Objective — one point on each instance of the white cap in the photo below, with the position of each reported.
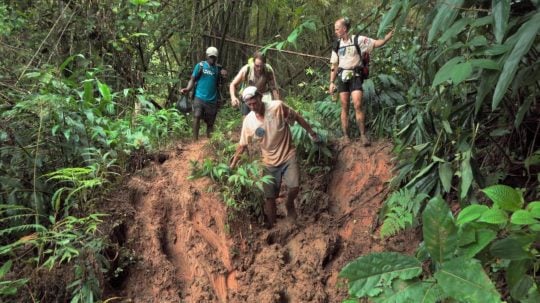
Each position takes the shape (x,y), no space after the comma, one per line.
(211,51)
(249,92)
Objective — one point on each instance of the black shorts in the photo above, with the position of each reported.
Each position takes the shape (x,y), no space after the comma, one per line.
(353,84)
(205,110)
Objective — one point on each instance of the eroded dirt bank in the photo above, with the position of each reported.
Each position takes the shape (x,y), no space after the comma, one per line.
(185,250)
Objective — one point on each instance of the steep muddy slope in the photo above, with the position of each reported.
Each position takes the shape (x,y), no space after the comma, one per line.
(185,249)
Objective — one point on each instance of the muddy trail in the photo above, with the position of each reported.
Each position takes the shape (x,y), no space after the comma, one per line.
(183,248)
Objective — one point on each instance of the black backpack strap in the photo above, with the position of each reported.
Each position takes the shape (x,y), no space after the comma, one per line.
(335,45)
(201,66)
(355,39)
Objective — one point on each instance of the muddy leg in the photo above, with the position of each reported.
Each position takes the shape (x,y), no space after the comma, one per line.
(196,125)
(270,212)
(289,204)
(209,130)
(344,98)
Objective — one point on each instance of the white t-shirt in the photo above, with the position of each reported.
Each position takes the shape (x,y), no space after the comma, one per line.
(272,131)
(347,56)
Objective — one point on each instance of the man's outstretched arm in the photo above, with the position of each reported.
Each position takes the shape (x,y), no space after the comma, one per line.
(239,151)
(381,42)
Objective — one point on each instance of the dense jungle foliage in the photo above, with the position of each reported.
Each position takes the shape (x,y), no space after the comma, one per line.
(87,90)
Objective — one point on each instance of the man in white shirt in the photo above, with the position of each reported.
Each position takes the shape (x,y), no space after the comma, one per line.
(346,64)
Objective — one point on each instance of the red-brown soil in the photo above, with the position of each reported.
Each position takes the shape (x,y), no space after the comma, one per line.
(185,249)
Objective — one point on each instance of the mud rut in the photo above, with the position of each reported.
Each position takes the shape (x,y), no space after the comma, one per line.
(186,251)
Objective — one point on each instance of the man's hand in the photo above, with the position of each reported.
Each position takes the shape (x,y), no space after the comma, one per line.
(232,163)
(389,35)
(239,151)
(224,73)
(235,102)
(332,88)
(184,91)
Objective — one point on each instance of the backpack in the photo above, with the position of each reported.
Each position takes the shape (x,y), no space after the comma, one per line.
(201,66)
(364,57)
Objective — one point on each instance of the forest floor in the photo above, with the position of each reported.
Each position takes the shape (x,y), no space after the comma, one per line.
(185,249)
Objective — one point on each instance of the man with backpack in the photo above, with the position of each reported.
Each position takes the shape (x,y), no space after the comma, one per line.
(349,66)
(205,80)
(256,73)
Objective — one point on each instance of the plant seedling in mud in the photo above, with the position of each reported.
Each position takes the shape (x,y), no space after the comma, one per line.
(241,188)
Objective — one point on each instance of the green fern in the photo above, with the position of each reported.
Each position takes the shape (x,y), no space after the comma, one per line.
(400,211)
(23,228)
(80,182)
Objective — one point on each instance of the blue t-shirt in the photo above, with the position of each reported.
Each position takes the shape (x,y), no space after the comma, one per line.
(206,88)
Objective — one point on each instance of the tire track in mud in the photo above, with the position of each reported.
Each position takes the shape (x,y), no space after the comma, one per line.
(188,252)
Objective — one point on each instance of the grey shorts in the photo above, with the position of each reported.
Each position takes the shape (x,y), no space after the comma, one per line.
(205,110)
(287,172)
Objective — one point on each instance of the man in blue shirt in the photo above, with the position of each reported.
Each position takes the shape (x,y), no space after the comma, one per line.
(205,79)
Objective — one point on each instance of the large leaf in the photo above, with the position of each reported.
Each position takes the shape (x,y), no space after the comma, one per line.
(505,197)
(526,37)
(497,49)
(454,70)
(494,216)
(440,232)
(523,217)
(366,273)
(406,291)
(501,12)
(524,288)
(421,174)
(483,239)
(455,29)
(534,208)
(389,17)
(465,280)
(471,213)
(445,175)
(509,248)
(104,90)
(447,12)
(515,271)
(485,64)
